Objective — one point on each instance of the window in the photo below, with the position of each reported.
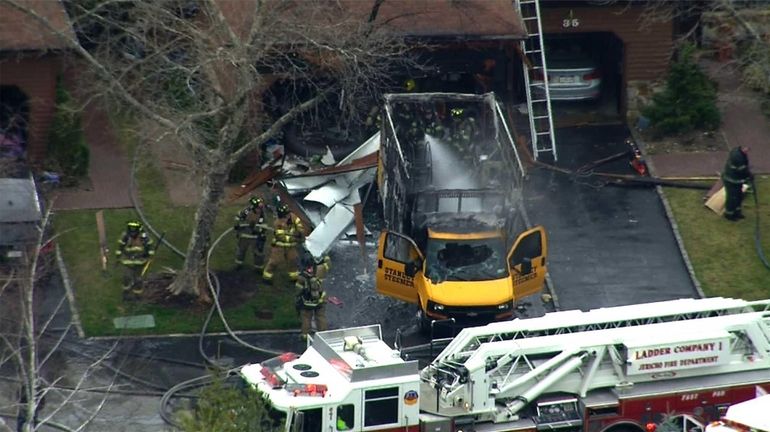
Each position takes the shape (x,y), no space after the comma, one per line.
(466,260)
(309,419)
(345,417)
(397,248)
(530,246)
(381,406)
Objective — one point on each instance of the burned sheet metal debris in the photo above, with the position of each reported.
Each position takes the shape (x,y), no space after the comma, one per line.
(330,194)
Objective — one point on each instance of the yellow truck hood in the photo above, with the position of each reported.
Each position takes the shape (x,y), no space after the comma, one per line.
(471,293)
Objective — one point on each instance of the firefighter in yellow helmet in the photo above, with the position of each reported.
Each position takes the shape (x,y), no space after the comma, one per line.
(288,235)
(250,230)
(133,251)
(311,298)
(410,85)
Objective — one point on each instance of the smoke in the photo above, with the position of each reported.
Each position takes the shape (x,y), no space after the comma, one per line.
(449,171)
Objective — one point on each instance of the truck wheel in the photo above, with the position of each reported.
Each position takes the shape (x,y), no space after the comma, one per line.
(422,319)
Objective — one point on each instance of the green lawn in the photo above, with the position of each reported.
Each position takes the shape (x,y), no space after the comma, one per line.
(99,295)
(722,252)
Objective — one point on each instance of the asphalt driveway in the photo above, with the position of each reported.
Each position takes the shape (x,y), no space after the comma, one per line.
(608,245)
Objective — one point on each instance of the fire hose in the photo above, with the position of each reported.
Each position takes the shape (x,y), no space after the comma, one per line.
(757,229)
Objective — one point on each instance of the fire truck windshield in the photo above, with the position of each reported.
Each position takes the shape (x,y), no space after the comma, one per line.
(465,260)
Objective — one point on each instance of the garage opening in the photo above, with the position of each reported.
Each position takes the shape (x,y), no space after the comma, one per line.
(585,76)
(14,120)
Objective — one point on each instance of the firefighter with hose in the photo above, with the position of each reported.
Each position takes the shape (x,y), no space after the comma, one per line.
(735,174)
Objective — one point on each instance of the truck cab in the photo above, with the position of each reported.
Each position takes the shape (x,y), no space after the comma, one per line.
(468,277)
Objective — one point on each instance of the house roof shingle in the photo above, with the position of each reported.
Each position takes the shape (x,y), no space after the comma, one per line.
(20,32)
(470,19)
(483,19)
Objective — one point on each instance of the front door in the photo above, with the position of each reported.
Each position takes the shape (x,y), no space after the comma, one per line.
(395,253)
(526,262)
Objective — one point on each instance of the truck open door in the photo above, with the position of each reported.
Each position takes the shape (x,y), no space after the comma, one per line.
(398,259)
(526,262)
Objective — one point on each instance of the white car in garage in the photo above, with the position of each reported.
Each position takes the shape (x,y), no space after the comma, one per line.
(573,73)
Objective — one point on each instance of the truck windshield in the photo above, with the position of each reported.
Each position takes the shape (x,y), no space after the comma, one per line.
(465,260)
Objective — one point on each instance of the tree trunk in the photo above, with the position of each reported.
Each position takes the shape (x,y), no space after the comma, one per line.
(191,279)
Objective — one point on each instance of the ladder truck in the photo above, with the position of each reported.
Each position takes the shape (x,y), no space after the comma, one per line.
(604,370)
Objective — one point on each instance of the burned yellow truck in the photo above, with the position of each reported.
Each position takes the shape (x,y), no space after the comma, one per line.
(456,241)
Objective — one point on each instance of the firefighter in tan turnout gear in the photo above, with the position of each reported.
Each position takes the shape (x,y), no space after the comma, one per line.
(133,251)
(251,232)
(311,298)
(288,235)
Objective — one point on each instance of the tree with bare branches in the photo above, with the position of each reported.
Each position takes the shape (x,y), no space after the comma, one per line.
(29,346)
(201,71)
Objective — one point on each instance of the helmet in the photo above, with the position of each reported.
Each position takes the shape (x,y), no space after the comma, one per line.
(133,226)
(410,85)
(282,210)
(256,202)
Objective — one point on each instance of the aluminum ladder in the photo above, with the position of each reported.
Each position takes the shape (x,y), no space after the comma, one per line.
(538,95)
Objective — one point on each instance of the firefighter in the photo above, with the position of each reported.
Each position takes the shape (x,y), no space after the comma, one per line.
(432,125)
(249,226)
(736,173)
(463,130)
(311,298)
(133,251)
(288,235)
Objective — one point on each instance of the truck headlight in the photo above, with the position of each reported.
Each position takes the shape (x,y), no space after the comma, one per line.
(504,306)
(435,306)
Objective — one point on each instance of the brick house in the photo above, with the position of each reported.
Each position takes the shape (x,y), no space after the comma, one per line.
(30,61)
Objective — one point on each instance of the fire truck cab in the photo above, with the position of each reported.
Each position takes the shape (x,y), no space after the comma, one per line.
(346,380)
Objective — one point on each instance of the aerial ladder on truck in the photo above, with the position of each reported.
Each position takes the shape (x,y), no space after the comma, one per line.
(574,321)
(509,380)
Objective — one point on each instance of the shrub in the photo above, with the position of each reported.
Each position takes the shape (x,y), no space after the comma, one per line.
(756,69)
(688,101)
(67,149)
(224,408)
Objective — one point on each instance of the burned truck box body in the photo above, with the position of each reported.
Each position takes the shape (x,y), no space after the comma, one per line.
(450,180)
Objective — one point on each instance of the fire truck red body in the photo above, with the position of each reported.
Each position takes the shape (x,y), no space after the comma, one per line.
(674,365)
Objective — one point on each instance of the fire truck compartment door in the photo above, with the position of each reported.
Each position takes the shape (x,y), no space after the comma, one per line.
(526,262)
(398,259)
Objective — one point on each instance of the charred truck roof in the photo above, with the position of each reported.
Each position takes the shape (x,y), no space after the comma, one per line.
(448,162)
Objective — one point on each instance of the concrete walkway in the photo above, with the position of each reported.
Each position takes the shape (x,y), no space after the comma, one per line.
(743,124)
(109,167)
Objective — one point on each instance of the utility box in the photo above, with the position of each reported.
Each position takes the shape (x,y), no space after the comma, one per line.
(20,220)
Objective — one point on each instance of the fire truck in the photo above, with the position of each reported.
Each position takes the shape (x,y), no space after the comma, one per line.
(620,369)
